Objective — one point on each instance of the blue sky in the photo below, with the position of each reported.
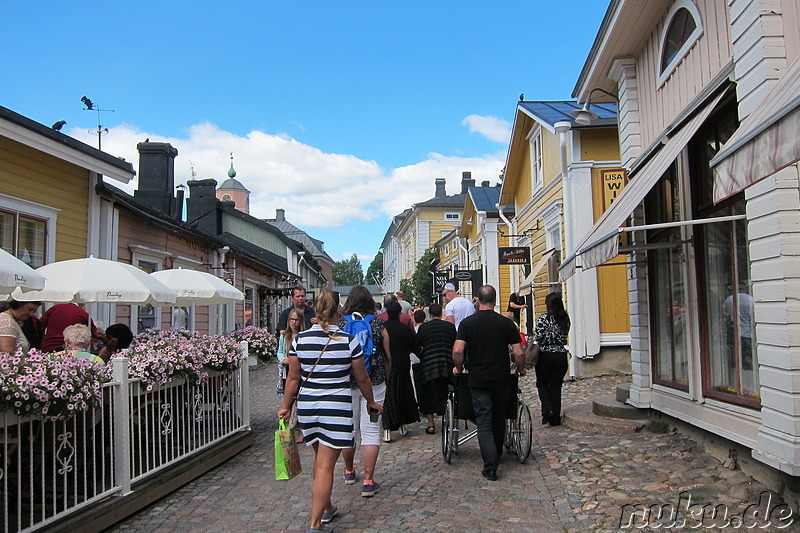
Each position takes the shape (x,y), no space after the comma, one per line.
(342,113)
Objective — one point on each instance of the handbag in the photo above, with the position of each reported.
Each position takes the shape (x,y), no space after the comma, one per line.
(531,356)
(287,455)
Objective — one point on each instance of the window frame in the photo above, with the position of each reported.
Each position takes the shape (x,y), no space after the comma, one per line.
(669,68)
(534,138)
(156,258)
(32,210)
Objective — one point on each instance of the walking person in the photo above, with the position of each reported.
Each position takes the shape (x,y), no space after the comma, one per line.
(360,304)
(488,335)
(458,308)
(551,333)
(436,338)
(295,323)
(416,365)
(299,303)
(320,361)
(400,407)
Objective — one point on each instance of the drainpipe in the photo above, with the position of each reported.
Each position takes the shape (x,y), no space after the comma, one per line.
(573,287)
(517,271)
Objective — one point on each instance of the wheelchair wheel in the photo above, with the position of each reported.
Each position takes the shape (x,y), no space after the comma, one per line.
(523,430)
(449,430)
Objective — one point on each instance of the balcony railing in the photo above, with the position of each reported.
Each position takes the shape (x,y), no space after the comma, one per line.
(53,469)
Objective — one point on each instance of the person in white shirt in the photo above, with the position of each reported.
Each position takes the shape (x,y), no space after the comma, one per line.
(458,308)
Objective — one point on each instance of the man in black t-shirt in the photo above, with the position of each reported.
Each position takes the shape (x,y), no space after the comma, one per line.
(515,304)
(489,335)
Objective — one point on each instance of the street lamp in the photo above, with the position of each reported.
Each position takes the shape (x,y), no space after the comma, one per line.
(584,116)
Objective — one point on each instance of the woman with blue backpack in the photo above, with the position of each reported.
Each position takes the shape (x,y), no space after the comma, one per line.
(358,320)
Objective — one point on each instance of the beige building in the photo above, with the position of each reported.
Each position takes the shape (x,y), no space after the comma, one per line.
(712,214)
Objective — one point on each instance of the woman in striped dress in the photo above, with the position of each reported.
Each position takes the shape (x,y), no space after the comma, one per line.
(320,361)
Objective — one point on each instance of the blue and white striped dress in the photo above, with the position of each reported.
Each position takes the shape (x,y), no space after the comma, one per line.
(324,405)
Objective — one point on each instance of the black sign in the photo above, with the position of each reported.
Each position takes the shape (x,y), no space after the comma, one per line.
(515,255)
(440,278)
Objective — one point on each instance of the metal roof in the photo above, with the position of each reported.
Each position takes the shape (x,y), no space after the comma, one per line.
(232,184)
(485,198)
(556,111)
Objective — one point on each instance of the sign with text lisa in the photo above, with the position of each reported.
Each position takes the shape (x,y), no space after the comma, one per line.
(515,255)
(613,181)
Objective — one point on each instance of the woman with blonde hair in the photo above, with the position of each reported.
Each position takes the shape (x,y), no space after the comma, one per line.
(320,362)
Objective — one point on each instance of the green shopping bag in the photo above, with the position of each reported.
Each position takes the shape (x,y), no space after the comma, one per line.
(287,456)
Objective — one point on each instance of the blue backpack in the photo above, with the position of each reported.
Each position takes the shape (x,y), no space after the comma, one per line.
(360,328)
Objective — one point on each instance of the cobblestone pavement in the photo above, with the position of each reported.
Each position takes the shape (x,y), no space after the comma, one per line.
(575,482)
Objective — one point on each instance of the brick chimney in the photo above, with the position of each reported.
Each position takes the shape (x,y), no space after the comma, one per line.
(201,207)
(466,182)
(157,176)
(440,190)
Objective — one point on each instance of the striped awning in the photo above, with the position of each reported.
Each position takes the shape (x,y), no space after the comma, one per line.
(601,243)
(766,141)
(527,284)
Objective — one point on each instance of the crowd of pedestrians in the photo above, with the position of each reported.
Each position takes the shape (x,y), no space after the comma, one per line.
(363,371)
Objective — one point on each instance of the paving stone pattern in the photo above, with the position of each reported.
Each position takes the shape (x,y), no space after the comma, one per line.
(574,482)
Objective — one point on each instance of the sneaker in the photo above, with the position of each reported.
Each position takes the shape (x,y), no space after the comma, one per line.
(349,477)
(387,435)
(403,429)
(368,490)
(327,517)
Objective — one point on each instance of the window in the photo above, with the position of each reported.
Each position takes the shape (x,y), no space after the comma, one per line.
(249,305)
(27,230)
(535,140)
(227,198)
(147,316)
(452,216)
(551,216)
(683,28)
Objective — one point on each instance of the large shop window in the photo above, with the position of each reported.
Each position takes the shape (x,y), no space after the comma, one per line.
(667,287)
(24,237)
(728,348)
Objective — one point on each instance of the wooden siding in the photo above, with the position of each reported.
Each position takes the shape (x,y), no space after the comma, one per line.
(791,29)
(599,144)
(551,156)
(712,51)
(31,175)
(254,234)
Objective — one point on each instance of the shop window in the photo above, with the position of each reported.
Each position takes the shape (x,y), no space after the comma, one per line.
(249,305)
(683,29)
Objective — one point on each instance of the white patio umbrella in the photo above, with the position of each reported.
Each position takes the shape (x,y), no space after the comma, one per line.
(91,280)
(199,288)
(14,273)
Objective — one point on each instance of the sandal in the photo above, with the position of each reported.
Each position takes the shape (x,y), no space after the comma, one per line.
(430,430)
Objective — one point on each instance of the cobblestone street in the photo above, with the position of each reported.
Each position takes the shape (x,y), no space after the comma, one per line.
(573,482)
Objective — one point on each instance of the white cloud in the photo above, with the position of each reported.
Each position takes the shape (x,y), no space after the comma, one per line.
(316,189)
(493,128)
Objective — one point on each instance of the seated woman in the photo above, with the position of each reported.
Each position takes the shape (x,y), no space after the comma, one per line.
(77,339)
(12,338)
(119,337)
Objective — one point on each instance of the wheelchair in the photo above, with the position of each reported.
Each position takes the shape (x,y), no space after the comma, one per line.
(458,409)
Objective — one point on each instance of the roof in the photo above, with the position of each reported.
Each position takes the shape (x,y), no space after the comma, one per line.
(374,290)
(256,253)
(53,142)
(315,246)
(486,199)
(456,200)
(232,184)
(396,221)
(548,113)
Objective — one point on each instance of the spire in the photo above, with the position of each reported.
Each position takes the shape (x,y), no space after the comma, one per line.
(231,172)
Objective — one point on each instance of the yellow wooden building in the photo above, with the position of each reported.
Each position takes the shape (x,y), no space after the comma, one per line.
(48,207)
(560,177)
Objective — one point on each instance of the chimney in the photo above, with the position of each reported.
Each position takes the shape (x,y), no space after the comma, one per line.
(440,191)
(280,215)
(466,182)
(201,207)
(157,176)
(485,183)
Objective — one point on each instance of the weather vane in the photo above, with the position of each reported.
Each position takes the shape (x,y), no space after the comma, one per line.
(100,130)
(191,168)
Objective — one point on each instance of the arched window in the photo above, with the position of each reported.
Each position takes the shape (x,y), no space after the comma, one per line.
(682,29)
(226,198)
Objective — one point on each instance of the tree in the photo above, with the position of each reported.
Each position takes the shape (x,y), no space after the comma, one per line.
(422,279)
(408,289)
(348,271)
(375,270)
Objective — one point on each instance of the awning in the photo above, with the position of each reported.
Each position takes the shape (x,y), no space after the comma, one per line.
(527,283)
(766,141)
(601,243)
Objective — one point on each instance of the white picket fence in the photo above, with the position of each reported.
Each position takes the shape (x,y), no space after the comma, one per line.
(53,469)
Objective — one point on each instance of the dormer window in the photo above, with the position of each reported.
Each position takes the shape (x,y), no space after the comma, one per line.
(683,29)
